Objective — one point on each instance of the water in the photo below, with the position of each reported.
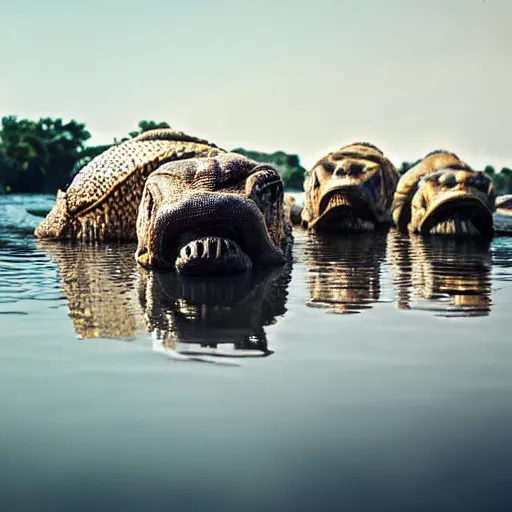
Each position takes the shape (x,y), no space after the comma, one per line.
(375,374)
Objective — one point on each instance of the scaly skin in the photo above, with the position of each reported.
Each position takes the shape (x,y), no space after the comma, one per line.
(101,204)
(443,195)
(349,189)
(217,215)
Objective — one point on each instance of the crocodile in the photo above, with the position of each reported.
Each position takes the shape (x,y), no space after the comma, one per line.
(101,203)
(441,194)
(216,215)
(350,189)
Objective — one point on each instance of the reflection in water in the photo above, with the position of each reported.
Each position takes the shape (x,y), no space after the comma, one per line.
(452,274)
(213,313)
(110,297)
(98,284)
(344,271)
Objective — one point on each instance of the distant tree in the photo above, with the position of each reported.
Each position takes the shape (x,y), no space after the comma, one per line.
(286,164)
(490,171)
(38,156)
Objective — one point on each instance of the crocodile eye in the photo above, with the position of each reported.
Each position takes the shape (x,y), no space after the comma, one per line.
(447,179)
(356,169)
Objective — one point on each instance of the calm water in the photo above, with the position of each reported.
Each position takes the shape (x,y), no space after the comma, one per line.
(375,374)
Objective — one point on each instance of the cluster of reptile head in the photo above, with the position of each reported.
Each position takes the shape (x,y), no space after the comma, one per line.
(442,195)
(190,205)
(358,189)
(195,208)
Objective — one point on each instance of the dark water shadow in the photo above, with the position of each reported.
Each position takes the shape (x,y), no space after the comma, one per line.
(109,296)
(344,270)
(448,276)
(224,317)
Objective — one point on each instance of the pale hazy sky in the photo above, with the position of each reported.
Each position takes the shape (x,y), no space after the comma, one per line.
(305,76)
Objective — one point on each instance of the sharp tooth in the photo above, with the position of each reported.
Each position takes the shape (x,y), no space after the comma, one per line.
(219,249)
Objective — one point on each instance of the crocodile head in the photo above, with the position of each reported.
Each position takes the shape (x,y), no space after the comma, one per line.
(213,216)
(445,196)
(349,189)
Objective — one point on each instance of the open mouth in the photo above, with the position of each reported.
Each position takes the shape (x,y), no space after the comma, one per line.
(213,234)
(213,250)
(346,208)
(458,215)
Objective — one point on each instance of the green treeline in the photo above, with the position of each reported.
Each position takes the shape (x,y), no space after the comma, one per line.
(287,165)
(43,156)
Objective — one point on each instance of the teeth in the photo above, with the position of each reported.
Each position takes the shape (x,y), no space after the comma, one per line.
(337,200)
(454,227)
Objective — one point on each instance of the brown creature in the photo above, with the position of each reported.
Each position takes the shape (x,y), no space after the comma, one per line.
(349,189)
(442,195)
(102,202)
(217,215)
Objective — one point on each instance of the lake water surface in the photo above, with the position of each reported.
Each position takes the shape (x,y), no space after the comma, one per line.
(374,374)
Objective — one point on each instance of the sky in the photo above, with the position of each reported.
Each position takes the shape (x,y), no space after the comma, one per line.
(305,77)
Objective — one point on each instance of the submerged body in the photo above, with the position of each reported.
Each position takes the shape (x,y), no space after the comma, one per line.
(217,215)
(442,195)
(349,189)
(101,203)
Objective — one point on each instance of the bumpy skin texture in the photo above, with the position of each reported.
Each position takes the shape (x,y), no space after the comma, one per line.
(101,204)
(443,195)
(349,189)
(218,215)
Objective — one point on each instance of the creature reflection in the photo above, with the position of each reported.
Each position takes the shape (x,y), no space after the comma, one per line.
(109,296)
(344,271)
(449,276)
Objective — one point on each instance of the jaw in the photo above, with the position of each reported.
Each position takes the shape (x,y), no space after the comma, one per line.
(344,208)
(458,214)
(210,234)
